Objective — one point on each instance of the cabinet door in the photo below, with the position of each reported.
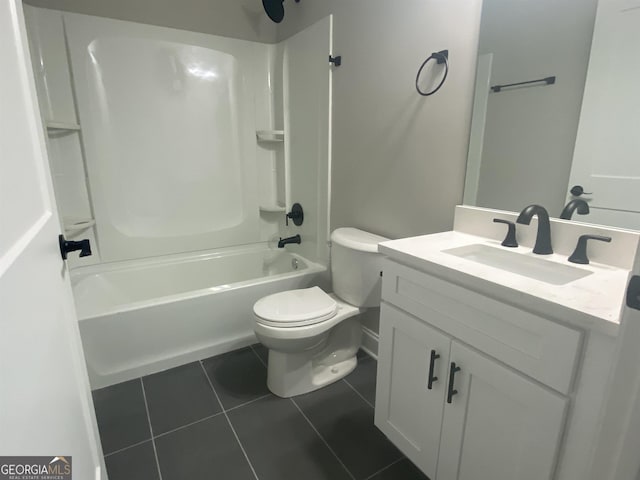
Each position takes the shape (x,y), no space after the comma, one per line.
(500,425)
(407,411)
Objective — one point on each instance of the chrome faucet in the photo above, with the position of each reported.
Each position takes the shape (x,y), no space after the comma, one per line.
(574,205)
(543,237)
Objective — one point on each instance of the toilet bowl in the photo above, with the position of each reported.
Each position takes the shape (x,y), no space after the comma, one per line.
(312,336)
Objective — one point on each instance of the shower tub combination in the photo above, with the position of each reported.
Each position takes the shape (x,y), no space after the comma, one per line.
(181,172)
(144,316)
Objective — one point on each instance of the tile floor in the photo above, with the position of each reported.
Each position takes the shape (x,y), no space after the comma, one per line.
(215,419)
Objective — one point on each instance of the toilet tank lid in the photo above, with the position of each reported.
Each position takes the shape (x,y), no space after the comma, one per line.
(357,239)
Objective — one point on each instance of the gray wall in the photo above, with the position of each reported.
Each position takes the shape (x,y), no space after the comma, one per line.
(243,19)
(531,132)
(398,159)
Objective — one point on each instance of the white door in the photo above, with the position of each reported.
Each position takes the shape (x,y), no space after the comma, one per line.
(409,405)
(45,400)
(499,425)
(605,162)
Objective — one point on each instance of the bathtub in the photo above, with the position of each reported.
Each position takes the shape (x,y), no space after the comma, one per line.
(143,316)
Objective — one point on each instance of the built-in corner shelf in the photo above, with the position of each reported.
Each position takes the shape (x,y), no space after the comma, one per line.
(270,136)
(272,208)
(76,224)
(61,128)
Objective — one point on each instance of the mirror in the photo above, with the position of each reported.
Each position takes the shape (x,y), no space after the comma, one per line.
(531,142)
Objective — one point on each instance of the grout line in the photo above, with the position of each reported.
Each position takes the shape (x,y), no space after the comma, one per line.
(224,412)
(126,448)
(359,394)
(153,442)
(385,468)
(188,425)
(160,435)
(322,438)
(259,357)
(247,403)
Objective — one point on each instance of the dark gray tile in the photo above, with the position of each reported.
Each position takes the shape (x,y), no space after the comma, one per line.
(122,416)
(238,377)
(281,444)
(179,396)
(137,463)
(204,450)
(362,355)
(345,421)
(403,470)
(262,352)
(363,378)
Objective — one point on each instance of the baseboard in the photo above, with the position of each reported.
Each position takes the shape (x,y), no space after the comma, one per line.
(370,342)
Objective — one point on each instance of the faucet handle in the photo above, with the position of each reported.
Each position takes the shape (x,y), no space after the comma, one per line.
(296,214)
(510,239)
(579,255)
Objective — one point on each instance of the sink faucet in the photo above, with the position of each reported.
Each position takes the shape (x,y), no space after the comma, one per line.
(543,238)
(578,205)
(285,241)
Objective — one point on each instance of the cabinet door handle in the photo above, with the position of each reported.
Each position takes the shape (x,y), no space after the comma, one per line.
(432,364)
(452,375)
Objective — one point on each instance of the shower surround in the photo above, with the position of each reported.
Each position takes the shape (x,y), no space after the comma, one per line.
(185,150)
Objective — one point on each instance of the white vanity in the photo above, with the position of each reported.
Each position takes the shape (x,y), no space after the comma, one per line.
(493,362)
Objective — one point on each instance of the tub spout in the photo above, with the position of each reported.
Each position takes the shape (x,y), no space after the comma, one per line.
(286,241)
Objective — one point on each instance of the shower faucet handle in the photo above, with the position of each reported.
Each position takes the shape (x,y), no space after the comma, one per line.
(296,214)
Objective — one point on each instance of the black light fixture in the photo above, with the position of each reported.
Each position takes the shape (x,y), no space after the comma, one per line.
(275,9)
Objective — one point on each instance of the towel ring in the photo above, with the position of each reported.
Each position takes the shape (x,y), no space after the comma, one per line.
(440,58)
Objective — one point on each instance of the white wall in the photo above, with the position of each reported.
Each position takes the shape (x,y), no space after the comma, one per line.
(530,132)
(184,189)
(243,19)
(398,159)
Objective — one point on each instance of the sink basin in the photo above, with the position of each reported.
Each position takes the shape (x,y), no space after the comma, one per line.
(525,265)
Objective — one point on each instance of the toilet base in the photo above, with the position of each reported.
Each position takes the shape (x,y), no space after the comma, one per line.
(291,374)
(302,381)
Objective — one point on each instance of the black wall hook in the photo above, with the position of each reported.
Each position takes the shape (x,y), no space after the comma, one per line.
(336,61)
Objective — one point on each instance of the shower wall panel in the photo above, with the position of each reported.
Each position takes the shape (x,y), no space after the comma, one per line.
(307,112)
(168,120)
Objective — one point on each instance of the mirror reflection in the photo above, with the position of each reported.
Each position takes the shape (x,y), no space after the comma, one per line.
(571,137)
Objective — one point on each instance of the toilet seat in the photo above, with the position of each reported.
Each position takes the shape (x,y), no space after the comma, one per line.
(295,308)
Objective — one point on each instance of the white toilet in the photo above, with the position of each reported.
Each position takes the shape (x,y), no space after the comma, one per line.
(313,337)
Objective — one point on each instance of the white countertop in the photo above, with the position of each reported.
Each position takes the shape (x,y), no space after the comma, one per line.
(592,302)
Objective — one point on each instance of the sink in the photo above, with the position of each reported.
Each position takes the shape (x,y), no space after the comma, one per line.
(528,266)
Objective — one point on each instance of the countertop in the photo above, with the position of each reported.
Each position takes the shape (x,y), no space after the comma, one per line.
(593,302)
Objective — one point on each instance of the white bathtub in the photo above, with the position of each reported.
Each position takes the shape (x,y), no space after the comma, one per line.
(144,316)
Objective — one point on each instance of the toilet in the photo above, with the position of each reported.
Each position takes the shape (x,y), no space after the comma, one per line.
(312,336)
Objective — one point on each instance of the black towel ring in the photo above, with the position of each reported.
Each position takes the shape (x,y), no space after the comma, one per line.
(440,58)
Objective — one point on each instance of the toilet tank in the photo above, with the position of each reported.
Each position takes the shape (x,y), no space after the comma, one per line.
(356,266)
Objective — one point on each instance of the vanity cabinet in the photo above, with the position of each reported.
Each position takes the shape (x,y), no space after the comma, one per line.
(469,387)
(411,354)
